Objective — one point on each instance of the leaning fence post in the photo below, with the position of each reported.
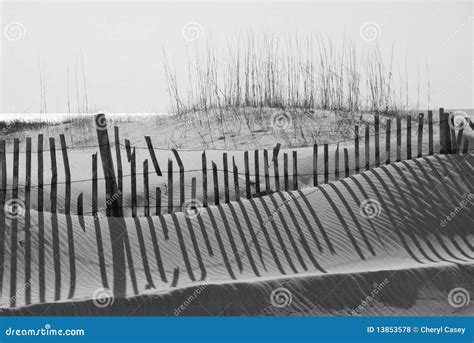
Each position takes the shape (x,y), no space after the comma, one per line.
(153,156)
(181,177)
(107,165)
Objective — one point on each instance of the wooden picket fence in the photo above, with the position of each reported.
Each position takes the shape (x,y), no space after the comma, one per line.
(450,142)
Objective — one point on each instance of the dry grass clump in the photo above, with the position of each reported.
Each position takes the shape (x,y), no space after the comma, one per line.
(283,71)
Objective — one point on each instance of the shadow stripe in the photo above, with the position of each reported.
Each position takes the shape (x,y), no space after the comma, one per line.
(316,219)
(143,252)
(253,234)
(395,224)
(354,218)
(303,240)
(288,233)
(196,248)
(182,246)
(343,223)
(156,248)
(221,245)
(231,238)
(267,236)
(205,236)
(306,221)
(243,239)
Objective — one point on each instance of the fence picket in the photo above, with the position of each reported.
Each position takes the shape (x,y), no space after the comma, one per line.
(215,180)
(247,175)
(54,176)
(420,134)
(387,141)
(67,172)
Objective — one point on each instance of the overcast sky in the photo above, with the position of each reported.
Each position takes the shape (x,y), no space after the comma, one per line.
(121,44)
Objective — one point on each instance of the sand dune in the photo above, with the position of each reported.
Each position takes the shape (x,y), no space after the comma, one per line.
(308,240)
